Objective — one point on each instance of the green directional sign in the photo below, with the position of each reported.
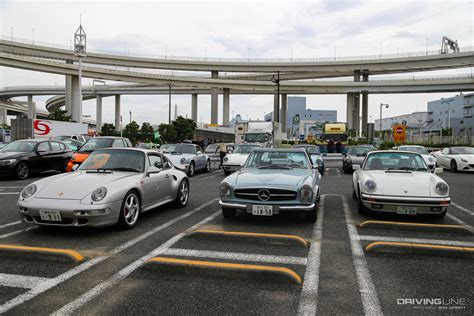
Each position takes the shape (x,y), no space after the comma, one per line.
(296,119)
(156,135)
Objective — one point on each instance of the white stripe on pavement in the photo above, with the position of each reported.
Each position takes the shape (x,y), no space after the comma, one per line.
(43,287)
(418,241)
(21,281)
(309,294)
(9,193)
(235,256)
(16,232)
(460,222)
(468,211)
(368,293)
(9,224)
(125,272)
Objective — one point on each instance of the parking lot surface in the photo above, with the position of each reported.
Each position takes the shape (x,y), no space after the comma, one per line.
(194,261)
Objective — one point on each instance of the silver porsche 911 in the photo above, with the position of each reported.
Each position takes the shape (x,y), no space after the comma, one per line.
(112,186)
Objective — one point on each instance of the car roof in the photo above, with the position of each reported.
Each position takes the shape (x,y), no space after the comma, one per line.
(280,150)
(35,140)
(144,150)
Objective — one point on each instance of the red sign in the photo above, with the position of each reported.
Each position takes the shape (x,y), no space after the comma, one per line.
(399,133)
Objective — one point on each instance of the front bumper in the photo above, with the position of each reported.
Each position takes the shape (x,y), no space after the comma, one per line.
(72,212)
(276,208)
(231,168)
(390,204)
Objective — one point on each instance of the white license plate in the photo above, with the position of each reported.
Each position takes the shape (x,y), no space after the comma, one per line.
(52,216)
(406,210)
(262,210)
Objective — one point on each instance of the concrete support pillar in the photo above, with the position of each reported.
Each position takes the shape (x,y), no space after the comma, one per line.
(214,100)
(284,111)
(31,108)
(226,107)
(194,106)
(276,108)
(350,110)
(3,116)
(68,92)
(117,112)
(76,104)
(365,105)
(356,111)
(98,114)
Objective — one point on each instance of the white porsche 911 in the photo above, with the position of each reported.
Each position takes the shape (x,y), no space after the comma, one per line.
(235,160)
(456,158)
(399,182)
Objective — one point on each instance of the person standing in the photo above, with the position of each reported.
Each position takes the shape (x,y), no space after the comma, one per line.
(222,152)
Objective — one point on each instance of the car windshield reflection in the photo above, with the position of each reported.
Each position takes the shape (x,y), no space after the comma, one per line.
(115,160)
(277,160)
(390,161)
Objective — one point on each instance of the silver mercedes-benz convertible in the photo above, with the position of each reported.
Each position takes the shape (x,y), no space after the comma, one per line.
(112,186)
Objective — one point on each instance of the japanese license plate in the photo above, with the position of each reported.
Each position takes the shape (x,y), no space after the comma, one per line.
(262,210)
(406,210)
(52,216)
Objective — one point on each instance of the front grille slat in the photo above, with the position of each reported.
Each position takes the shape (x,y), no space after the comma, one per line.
(275,194)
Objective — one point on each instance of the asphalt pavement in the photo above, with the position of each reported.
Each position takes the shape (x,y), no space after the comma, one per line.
(193,261)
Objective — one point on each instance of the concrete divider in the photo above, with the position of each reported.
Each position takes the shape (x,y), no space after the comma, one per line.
(420,249)
(71,255)
(448,228)
(225,269)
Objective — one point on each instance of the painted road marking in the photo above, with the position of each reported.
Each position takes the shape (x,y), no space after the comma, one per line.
(368,293)
(9,193)
(468,211)
(16,232)
(309,294)
(238,256)
(72,254)
(461,222)
(11,187)
(10,224)
(43,287)
(417,241)
(21,281)
(125,272)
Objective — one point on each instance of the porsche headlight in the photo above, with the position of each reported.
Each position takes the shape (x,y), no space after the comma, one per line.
(7,162)
(99,194)
(226,159)
(306,194)
(370,185)
(463,160)
(431,159)
(441,188)
(28,191)
(224,191)
(182,161)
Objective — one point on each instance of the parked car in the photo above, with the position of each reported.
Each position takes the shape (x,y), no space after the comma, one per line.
(187,157)
(455,158)
(114,185)
(429,159)
(399,182)
(273,180)
(74,145)
(355,156)
(315,153)
(79,138)
(96,143)
(236,159)
(147,146)
(21,158)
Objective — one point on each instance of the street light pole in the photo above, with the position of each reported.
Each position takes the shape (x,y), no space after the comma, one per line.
(130,116)
(380,122)
(80,44)
(169,105)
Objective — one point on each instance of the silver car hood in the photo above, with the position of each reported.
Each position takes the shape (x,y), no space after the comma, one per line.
(357,160)
(76,185)
(176,159)
(292,179)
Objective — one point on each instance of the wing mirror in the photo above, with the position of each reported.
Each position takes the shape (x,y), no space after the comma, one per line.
(153,170)
(199,152)
(438,170)
(356,167)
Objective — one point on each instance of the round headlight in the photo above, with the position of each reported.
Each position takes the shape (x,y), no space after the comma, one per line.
(441,188)
(224,191)
(306,194)
(99,194)
(226,159)
(430,159)
(370,185)
(182,161)
(28,191)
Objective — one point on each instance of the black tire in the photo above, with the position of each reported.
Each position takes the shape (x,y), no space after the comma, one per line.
(22,170)
(362,208)
(229,212)
(227,172)
(208,166)
(354,195)
(191,170)
(454,166)
(130,199)
(311,216)
(182,197)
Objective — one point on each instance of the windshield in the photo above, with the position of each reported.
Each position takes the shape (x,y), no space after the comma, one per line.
(115,160)
(257,137)
(395,161)
(415,149)
(462,150)
(96,143)
(178,149)
(277,160)
(312,150)
(358,151)
(244,149)
(212,148)
(19,146)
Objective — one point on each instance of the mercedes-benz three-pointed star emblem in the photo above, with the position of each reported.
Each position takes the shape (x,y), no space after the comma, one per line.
(263,194)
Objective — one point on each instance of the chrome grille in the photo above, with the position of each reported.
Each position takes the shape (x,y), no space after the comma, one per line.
(275,194)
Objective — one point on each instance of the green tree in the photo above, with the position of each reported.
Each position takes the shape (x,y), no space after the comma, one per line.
(168,133)
(59,115)
(108,130)
(184,128)
(131,131)
(146,132)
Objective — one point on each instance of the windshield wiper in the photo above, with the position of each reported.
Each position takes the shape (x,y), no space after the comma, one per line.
(98,170)
(274,167)
(123,169)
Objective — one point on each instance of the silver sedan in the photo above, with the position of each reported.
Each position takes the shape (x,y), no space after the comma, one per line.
(113,186)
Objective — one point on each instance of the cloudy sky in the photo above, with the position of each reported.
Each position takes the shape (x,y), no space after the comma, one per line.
(255,29)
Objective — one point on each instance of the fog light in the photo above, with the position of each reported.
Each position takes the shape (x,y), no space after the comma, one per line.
(377,206)
(436,209)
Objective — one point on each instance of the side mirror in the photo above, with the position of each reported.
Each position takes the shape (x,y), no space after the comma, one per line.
(438,170)
(75,167)
(199,152)
(153,170)
(356,167)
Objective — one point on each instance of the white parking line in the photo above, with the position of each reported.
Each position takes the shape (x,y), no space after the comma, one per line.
(368,293)
(235,256)
(11,187)
(418,241)
(43,287)
(468,211)
(21,281)
(10,224)
(309,294)
(125,272)
(16,232)
(460,222)
(9,193)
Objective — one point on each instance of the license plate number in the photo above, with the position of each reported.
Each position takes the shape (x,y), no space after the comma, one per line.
(262,210)
(52,216)
(406,210)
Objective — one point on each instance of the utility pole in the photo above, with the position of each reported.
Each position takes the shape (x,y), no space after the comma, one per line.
(80,44)
(380,122)
(169,104)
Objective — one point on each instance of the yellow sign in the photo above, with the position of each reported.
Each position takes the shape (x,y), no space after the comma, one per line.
(399,133)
